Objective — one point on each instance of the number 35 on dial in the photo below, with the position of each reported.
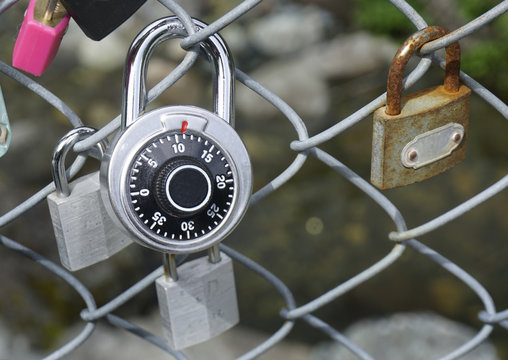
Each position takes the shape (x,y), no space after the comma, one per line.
(181,185)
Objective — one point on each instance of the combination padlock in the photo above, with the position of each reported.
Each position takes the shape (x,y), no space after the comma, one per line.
(40,36)
(179,179)
(5,128)
(424,133)
(84,232)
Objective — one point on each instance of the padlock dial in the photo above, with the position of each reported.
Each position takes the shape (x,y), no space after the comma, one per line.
(181,185)
(179,179)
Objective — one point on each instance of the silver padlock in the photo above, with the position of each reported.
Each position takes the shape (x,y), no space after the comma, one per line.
(199,302)
(179,178)
(85,233)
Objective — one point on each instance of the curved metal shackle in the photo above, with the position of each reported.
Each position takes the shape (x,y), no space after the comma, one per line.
(216,50)
(62,148)
(413,43)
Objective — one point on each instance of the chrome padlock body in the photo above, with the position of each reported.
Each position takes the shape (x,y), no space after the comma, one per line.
(423,133)
(201,304)
(131,202)
(84,232)
(150,169)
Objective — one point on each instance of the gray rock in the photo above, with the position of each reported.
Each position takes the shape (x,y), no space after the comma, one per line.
(298,86)
(301,80)
(114,344)
(349,55)
(15,347)
(415,336)
(237,38)
(107,54)
(289,29)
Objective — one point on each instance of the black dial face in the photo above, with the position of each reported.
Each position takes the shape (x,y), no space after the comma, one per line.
(181,186)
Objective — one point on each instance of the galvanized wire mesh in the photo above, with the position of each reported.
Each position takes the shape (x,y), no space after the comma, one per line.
(305,147)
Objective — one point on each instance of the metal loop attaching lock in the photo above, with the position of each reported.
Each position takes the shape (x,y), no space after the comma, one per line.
(396,72)
(134,89)
(62,148)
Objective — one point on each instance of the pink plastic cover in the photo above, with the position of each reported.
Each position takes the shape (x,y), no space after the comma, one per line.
(37,43)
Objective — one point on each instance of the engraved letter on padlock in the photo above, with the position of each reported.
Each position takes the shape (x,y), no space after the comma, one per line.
(84,231)
(422,134)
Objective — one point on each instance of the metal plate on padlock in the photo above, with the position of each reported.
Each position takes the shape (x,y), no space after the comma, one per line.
(201,304)
(432,146)
(5,128)
(392,134)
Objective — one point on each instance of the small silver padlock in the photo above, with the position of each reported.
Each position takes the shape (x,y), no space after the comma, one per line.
(199,302)
(179,179)
(84,231)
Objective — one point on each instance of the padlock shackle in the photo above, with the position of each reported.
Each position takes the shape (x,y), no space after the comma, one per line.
(62,148)
(401,58)
(216,50)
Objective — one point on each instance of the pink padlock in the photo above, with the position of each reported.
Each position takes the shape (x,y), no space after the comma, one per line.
(40,35)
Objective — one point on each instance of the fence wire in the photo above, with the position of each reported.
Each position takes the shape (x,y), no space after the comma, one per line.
(304,147)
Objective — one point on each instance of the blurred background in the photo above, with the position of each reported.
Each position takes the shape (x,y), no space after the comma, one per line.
(326,59)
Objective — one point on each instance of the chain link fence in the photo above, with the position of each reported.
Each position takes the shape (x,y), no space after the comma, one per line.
(307,148)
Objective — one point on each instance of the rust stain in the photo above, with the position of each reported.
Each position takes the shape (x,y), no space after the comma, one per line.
(398,130)
(404,53)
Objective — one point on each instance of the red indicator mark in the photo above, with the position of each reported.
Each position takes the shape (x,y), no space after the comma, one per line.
(184,126)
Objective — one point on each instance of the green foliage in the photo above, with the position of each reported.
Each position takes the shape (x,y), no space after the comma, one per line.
(485,60)
(482,63)
(500,25)
(381,17)
(474,8)
(481,60)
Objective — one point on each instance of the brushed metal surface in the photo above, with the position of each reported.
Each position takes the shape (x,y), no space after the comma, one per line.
(84,232)
(201,304)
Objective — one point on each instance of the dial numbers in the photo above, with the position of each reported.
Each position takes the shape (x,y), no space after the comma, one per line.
(181,186)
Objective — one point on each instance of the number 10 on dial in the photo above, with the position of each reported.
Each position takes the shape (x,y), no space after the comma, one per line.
(185,186)
(181,185)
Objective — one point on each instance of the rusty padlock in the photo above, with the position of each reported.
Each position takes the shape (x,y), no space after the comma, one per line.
(422,134)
